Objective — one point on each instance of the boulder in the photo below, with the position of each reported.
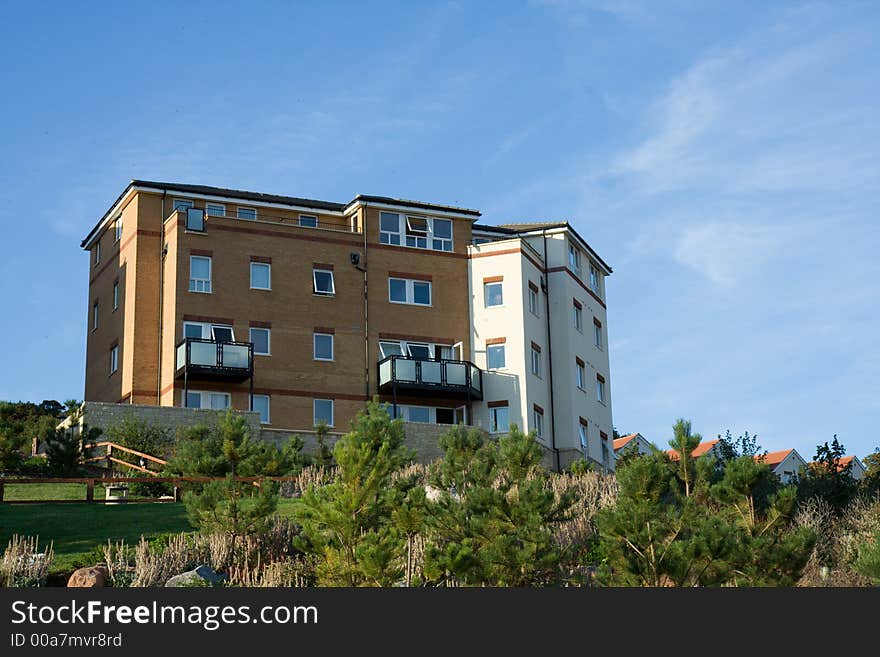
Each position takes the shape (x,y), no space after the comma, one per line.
(199,576)
(91,577)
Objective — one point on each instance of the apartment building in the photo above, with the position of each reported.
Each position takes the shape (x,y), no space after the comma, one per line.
(303,310)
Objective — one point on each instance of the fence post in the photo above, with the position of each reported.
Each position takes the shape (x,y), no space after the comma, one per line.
(1,491)
(90,490)
(177,490)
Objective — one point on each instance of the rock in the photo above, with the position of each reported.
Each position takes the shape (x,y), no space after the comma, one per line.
(92,577)
(199,576)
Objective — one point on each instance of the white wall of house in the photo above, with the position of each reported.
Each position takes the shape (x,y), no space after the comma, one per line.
(638,443)
(790,467)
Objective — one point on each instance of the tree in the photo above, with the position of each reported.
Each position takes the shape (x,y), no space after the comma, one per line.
(20,423)
(684,442)
(493,513)
(64,445)
(871,482)
(323,456)
(148,438)
(827,478)
(350,524)
(729,448)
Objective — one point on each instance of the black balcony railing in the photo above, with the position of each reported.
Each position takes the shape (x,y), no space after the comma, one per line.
(200,359)
(438,376)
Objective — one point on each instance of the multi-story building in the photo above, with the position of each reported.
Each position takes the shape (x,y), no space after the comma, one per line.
(302,310)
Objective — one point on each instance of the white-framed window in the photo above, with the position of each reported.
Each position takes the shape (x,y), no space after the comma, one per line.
(538,422)
(322,279)
(261,276)
(407,290)
(117,229)
(98,251)
(390,348)
(496,357)
(493,294)
(533,300)
(597,332)
(215,209)
(181,204)
(415,231)
(389,228)
(580,375)
(420,350)
(115,295)
(246,213)
(499,419)
(261,406)
(322,346)
(583,436)
(207,331)
(600,388)
(308,220)
(577,316)
(114,358)
(96,310)
(536,361)
(261,338)
(200,274)
(322,409)
(595,284)
(421,414)
(221,333)
(218,401)
(574,258)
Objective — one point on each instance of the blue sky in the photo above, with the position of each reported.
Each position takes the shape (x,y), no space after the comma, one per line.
(724,157)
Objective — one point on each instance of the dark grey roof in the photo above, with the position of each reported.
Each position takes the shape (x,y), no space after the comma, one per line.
(415,204)
(525,226)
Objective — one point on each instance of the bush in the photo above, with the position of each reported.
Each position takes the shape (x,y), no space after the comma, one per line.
(23,564)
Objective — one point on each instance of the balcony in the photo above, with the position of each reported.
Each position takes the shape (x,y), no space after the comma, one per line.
(198,359)
(430,377)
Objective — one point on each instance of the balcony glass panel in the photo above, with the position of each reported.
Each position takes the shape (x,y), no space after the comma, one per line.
(456,374)
(475,378)
(431,372)
(233,355)
(203,353)
(405,369)
(385,372)
(181,355)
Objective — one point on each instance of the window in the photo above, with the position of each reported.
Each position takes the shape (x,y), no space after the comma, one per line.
(323,346)
(114,358)
(600,388)
(594,278)
(261,339)
(387,348)
(323,411)
(533,299)
(580,374)
(582,434)
(309,221)
(389,228)
(98,251)
(421,351)
(195,220)
(574,258)
(117,229)
(218,401)
(538,419)
(221,333)
(597,332)
(247,213)
(536,360)
(495,357)
(420,232)
(200,274)
(261,406)
(180,204)
(493,294)
(215,210)
(606,454)
(499,419)
(323,282)
(115,295)
(95,310)
(578,316)
(261,276)
(404,290)
(419,414)
(442,235)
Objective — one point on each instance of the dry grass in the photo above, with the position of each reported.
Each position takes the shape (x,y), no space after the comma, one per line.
(24,564)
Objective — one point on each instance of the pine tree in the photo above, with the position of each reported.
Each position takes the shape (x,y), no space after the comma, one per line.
(350,524)
(684,442)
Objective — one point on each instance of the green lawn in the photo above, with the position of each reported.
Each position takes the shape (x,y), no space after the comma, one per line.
(15,492)
(77,529)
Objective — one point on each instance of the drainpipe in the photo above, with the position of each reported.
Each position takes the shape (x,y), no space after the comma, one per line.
(556,457)
(366,310)
(162,255)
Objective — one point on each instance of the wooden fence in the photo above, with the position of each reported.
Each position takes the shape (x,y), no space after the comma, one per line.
(143,457)
(90,486)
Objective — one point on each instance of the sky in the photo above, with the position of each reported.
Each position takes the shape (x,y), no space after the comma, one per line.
(723,157)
